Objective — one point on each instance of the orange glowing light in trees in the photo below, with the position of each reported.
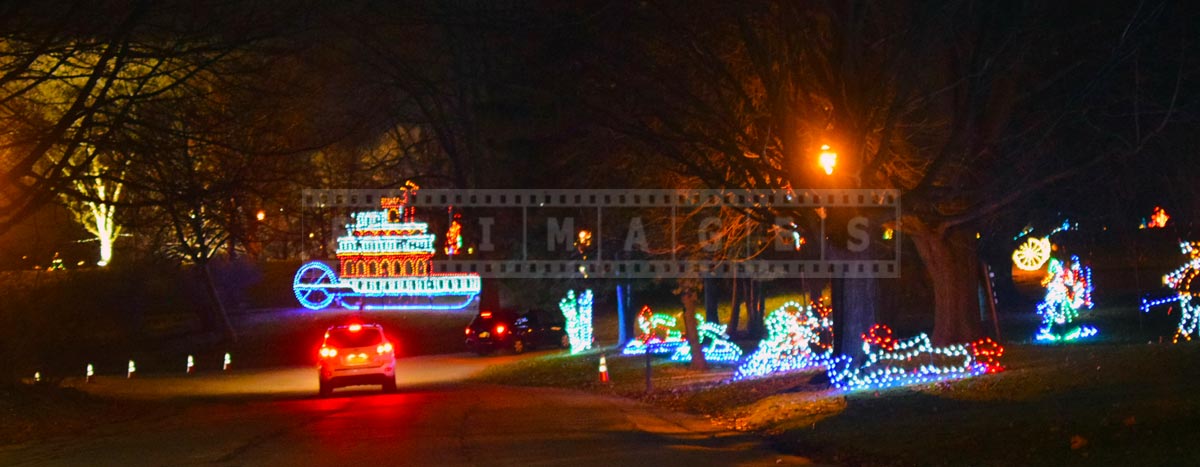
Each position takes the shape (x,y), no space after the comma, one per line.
(583,241)
(828,159)
(453,238)
(260,215)
(1158,219)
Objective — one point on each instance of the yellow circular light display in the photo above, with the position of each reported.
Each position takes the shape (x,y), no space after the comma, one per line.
(1032,254)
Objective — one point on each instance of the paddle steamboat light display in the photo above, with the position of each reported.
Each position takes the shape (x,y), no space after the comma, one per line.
(384,263)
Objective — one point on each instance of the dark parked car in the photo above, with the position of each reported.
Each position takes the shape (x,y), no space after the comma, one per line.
(515,330)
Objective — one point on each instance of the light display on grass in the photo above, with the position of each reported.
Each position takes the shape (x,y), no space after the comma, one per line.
(798,338)
(656,332)
(714,342)
(384,262)
(1068,290)
(890,362)
(1181,280)
(578,314)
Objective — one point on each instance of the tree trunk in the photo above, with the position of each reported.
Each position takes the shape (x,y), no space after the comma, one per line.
(735,315)
(218,308)
(711,297)
(760,310)
(690,299)
(854,302)
(953,265)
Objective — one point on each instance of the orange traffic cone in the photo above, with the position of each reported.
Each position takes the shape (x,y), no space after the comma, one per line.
(603,369)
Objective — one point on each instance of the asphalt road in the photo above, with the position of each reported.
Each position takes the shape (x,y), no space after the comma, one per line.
(272,417)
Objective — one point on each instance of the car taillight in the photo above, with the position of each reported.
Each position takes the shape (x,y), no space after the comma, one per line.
(499,329)
(485,314)
(383,348)
(355,327)
(328,352)
(467,331)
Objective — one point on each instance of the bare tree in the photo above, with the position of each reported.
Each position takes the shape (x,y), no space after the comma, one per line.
(96,207)
(962,106)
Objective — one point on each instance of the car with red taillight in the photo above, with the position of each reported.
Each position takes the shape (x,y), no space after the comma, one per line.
(515,330)
(356,354)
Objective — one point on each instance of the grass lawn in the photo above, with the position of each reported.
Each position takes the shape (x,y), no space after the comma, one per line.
(39,411)
(1086,403)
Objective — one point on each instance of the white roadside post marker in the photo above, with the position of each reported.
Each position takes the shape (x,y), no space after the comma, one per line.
(90,373)
(132,370)
(191,366)
(228,362)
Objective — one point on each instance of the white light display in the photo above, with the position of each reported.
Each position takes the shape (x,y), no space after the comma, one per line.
(890,362)
(578,314)
(798,338)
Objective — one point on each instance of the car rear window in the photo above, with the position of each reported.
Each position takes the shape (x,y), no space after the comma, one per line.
(503,316)
(363,338)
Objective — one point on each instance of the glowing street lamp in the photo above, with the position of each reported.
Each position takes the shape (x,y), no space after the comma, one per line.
(828,159)
(260,215)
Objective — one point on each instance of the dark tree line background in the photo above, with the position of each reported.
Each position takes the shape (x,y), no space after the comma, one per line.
(983,114)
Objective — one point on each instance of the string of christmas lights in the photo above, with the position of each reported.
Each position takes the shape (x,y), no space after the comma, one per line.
(890,362)
(719,348)
(578,314)
(656,334)
(1068,289)
(1181,280)
(798,338)
(384,258)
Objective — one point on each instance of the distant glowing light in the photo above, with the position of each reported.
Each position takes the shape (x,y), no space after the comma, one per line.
(1158,219)
(260,215)
(828,159)
(453,238)
(1032,254)
(798,240)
